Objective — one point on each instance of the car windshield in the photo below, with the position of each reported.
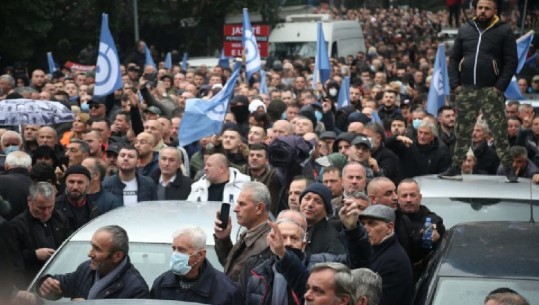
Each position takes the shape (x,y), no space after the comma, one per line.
(472,291)
(283,50)
(151,260)
(459,210)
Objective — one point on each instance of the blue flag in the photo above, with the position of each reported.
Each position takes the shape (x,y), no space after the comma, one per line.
(439,84)
(184,61)
(322,68)
(250,48)
(50,60)
(223,60)
(108,76)
(523,44)
(149,58)
(263,83)
(168,61)
(343,99)
(203,118)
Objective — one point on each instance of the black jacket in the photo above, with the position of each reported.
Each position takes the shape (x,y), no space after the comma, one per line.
(146,187)
(483,57)
(213,287)
(487,159)
(128,284)
(391,262)
(76,216)
(178,189)
(323,238)
(14,187)
(388,162)
(24,240)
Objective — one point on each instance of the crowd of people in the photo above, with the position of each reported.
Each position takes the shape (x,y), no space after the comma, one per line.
(338,181)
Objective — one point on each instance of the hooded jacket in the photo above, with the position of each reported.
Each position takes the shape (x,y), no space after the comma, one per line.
(483,57)
(199,189)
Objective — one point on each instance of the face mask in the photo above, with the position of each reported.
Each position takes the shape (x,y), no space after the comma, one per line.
(318,115)
(11,149)
(283,116)
(179,263)
(416,123)
(333,91)
(85,107)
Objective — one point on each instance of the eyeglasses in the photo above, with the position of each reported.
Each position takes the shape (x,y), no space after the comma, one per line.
(94,106)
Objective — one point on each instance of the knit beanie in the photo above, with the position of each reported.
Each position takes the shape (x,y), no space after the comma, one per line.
(322,190)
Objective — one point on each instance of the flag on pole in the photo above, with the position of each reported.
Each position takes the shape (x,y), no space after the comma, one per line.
(149,59)
(108,76)
(343,99)
(523,44)
(52,65)
(376,118)
(250,48)
(224,61)
(263,83)
(184,61)
(322,68)
(203,118)
(168,61)
(439,83)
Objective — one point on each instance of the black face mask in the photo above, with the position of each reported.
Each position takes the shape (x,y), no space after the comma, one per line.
(297,252)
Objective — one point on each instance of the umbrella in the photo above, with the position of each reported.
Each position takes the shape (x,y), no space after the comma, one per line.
(36,112)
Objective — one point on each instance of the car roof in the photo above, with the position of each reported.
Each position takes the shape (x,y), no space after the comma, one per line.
(129,302)
(492,249)
(477,186)
(156,221)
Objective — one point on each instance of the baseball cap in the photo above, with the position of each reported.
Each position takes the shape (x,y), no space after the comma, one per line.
(154,110)
(114,148)
(361,140)
(535,78)
(380,212)
(328,135)
(97,100)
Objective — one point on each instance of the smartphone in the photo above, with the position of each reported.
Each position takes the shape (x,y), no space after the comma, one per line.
(63,161)
(411,82)
(151,77)
(223,216)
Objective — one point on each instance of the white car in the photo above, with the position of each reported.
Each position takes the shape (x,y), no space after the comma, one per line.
(150,226)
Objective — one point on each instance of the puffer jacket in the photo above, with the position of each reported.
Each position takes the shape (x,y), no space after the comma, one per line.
(483,57)
(199,189)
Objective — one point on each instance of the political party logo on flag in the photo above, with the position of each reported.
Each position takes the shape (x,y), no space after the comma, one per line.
(108,77)
(322,68)
(439,84)
(205,117)
(252,56)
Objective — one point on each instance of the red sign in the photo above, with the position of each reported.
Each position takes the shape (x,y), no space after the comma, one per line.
(233,33)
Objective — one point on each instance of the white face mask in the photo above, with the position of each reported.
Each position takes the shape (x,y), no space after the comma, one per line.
(333,91)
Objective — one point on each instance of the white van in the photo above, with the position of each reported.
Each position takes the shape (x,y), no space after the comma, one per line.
(297,36)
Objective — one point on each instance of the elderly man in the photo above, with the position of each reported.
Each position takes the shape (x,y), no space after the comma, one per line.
(252,212)
(148,159)
(290,263)
(36,233)
(15,183)
(219,183)
(108,274)
(171,183)
(388,258)
(297,186)
(368,286)
(192,277)
(129,186)
(156,129)
(75,204)
(315,205)
(77,150)
(410,204)
(354,178)
(522,165)
(330,283)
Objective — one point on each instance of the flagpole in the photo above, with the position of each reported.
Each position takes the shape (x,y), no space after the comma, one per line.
(135,19)
(523,17)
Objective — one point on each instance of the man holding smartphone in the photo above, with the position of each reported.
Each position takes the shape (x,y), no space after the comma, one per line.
(252,212)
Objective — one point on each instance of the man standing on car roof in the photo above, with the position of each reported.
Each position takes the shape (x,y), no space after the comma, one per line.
(481,65)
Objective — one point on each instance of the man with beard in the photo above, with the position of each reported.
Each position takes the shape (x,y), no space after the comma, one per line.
(446,127)
(75,204)
(259,170)
(481,65)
